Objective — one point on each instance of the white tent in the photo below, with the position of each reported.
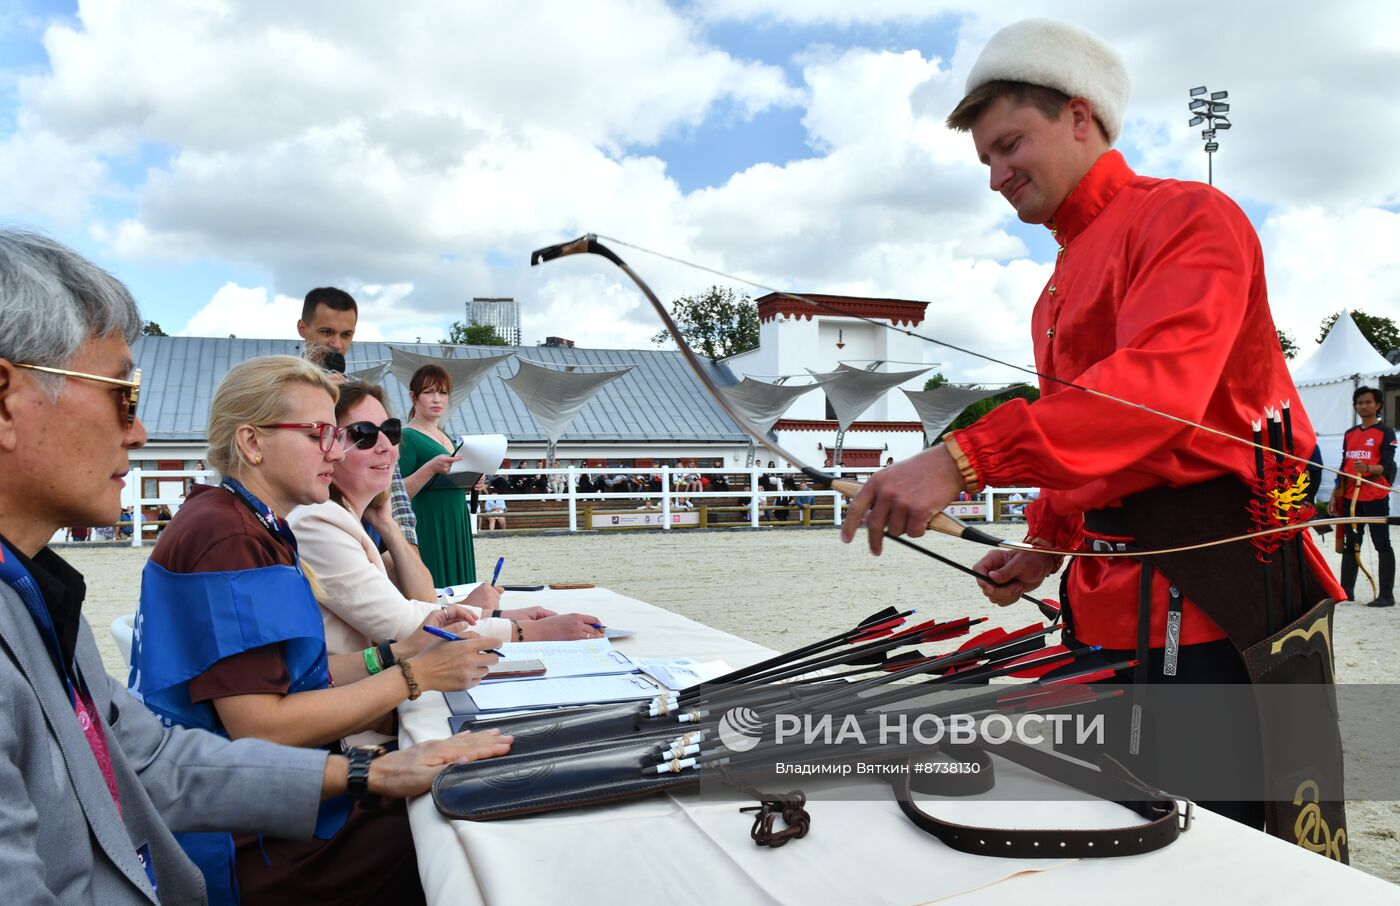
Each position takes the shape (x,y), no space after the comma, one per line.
(1343,361)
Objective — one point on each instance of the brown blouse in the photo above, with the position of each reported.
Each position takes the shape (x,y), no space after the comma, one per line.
(372,856)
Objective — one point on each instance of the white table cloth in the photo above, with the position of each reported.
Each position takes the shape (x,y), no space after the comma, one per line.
(689,847)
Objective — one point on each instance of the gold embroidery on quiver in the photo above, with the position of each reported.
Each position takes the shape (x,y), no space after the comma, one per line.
(1309,828)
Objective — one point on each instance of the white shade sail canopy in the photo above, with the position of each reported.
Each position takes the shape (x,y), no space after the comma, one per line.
(466,374)
(763,403)
(852,390)
(938,407)
(369,374)
(554,396)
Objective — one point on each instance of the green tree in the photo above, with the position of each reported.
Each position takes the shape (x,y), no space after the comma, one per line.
(1382,333)
(933,383)
(473,334)
(1285,342)
(719,322)
(152,329)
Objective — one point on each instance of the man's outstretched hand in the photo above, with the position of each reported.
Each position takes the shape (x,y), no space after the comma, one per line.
(1021,571)
(902,498)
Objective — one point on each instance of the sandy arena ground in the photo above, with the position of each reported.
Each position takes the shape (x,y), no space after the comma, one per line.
(785,587)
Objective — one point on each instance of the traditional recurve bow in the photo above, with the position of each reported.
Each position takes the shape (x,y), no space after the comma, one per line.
(940,522)
(1356,542)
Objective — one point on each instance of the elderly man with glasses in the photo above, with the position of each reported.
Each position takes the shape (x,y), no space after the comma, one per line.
(91,784)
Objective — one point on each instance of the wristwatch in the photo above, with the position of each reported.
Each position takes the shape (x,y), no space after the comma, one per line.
(357,780)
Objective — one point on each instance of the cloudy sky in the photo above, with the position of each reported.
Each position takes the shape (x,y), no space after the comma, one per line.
(224,157)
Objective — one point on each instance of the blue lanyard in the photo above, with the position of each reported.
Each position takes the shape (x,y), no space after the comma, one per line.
(17,577)
(270,520)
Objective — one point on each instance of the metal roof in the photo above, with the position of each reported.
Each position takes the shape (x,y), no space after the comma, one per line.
(659,400)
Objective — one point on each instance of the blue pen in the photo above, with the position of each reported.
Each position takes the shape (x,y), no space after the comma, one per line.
(497,574)
(597,626)
(453,637)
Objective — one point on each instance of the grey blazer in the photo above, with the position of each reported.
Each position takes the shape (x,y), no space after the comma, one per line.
(62,839)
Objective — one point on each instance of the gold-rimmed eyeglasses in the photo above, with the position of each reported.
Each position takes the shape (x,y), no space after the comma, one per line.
(131,390)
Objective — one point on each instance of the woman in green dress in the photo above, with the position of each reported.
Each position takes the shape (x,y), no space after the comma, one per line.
(425,457)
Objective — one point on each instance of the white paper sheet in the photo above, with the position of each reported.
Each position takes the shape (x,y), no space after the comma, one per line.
(481,453)
(577,690)
(679,673)
(586,657)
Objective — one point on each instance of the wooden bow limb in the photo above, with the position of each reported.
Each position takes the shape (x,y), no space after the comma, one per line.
(1356,547)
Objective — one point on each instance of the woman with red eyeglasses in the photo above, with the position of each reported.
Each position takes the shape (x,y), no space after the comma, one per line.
(229,639)
(372,588)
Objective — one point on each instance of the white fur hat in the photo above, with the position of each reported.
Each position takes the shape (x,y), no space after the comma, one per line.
(1060,56)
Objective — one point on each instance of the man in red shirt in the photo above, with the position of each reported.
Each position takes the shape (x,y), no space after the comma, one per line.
(1157,297)
(1368,450)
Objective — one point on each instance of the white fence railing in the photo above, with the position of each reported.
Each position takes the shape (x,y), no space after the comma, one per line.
(988,506)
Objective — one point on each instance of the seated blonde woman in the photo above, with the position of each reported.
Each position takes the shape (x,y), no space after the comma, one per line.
(230,640)
(360,603)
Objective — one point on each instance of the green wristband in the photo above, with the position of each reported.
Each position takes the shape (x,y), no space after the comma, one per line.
(372,661)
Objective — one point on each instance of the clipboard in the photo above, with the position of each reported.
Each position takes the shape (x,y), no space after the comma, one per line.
(481,453)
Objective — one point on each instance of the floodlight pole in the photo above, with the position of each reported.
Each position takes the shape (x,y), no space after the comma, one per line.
(1209,107)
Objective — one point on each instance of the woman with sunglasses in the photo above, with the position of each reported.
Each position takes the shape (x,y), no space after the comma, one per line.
(361,605)
(229,639)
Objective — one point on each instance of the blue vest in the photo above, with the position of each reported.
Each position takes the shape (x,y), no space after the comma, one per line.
(186,623)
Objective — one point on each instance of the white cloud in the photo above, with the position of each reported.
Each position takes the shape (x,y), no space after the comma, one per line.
(42,175)
(416,158)
(245,312)
(1302,251)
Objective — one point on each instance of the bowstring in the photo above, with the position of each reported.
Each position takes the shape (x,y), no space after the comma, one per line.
(988,358)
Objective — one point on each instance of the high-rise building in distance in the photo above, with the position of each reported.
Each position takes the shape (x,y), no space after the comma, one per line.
(501,312)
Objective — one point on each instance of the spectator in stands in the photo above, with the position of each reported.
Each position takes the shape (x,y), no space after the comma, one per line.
(426,457)
(805,497)
(686,483)
(493,514)
(328,320)
(773,482)
(718,481)
(539,482)
(558,483)
(227,574)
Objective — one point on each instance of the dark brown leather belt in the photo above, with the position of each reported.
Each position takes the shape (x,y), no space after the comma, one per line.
(1166,820)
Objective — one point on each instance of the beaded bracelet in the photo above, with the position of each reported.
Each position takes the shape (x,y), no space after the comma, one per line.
(413,692)
(372,663)
(519,630)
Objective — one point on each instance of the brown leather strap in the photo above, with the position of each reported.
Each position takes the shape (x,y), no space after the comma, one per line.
(1166,820)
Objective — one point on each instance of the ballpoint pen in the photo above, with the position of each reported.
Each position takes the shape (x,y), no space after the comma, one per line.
(497,574)
(453,637)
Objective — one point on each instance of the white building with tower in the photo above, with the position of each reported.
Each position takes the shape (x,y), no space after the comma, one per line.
(797,339)
(500,312)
